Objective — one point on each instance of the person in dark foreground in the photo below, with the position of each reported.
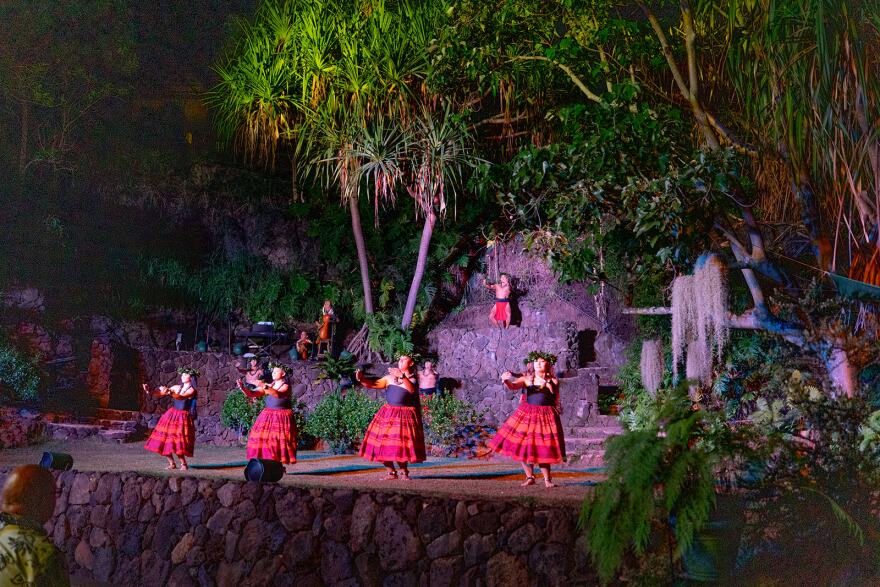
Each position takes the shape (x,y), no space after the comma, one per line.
(27,556)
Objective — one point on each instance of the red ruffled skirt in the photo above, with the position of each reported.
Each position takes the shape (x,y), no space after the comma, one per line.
(273,436)
(175,434)
(532,434)
(501,311)
(395,434)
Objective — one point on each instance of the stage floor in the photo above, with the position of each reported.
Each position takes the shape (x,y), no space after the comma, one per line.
(478,478)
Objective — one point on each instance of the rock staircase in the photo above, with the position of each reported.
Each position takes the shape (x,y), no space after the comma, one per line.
(106,425)
(585,445)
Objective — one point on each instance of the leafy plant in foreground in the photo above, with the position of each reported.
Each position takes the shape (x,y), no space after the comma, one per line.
(657,473)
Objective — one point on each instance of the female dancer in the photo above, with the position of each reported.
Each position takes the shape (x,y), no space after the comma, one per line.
(395,435)
(175,434)
(273,435)
(533,433)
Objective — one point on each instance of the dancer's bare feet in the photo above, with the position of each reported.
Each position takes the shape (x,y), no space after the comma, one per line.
(404,476)
(548,484)
(390,475)
(171,464)
(530,480)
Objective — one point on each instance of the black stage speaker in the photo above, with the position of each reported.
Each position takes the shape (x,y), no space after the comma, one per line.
(58,461)
(263,470)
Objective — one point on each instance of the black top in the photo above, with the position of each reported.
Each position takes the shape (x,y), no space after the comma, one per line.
(400,396)
(184,404)
(539,396)
(278,403)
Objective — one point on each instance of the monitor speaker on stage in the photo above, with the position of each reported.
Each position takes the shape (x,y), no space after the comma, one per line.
(57,461)
(263,470)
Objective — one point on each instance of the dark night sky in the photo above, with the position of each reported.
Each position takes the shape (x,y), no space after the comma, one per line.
(179,40)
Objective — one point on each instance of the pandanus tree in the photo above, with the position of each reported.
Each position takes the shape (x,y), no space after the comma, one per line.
(423,157)
(309,76)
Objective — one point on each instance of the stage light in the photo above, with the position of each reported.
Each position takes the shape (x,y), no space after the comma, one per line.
(57,461)
(263,470)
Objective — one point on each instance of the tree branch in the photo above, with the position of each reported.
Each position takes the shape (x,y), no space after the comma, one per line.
(577,81)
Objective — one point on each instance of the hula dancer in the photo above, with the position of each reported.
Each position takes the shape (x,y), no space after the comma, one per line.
(500,314)
(533,433)
(273,435)
(175,434)
(395,435)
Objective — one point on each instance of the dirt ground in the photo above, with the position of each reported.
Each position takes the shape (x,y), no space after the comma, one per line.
(330,471)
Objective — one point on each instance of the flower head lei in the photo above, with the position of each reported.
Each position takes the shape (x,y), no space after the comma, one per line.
(273,365)
(535,355)
(189,371)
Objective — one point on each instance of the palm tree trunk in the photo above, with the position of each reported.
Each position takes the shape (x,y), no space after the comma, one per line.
(362,253)
(422,260)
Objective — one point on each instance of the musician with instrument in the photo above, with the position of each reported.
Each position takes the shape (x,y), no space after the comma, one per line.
(326,327)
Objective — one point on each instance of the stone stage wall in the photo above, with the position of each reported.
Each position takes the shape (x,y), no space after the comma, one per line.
(20,427)
(127,529)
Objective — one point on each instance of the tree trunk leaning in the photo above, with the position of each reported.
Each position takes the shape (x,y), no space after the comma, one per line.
(422,260)
(361,246)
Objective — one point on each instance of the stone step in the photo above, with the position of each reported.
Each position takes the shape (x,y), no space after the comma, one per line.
(108,414)
(608,421)
(71,431)
(580,444)
(592,431)
(116,424)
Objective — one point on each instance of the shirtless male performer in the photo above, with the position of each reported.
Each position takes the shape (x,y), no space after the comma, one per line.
(500,314)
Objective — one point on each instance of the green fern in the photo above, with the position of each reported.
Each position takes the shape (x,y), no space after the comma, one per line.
(655,474)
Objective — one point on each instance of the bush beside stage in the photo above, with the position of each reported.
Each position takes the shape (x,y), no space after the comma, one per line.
(128,529)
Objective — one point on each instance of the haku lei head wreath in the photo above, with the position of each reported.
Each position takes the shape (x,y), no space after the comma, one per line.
(273,365)
(189,371)
(535,355)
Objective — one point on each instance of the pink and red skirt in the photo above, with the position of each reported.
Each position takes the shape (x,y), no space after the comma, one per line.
(395,434)
(273,436)
(532,434)
(175,434)
(501,311)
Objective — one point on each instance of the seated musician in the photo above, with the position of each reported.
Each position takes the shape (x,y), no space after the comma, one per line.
(302,345)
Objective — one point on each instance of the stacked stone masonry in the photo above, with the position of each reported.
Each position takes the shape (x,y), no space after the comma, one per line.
(127,529)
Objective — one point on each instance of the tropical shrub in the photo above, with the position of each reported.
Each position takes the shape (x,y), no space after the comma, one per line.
(340,420)
(338,369)
(387,337)
(20,377)
(239,412)
(449,420)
